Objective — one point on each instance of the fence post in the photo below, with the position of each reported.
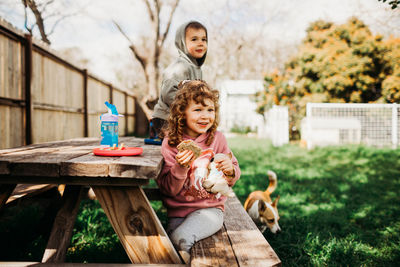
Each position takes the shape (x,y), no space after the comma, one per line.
(308,125)
(394,125)
(85,103)
(28,97)
(111,93)
(126,113)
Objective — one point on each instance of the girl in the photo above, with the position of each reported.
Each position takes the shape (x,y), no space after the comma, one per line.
(193,213)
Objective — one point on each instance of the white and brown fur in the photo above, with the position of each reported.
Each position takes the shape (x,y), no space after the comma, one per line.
(261,209)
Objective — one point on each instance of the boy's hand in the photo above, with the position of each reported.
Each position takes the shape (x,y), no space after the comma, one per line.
(184,158)
(225,165)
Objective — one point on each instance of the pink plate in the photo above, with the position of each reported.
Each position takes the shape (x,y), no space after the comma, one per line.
(125,151)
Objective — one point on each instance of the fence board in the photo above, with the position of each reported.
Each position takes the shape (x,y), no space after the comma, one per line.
(98,93)
(131,105)
(57,94)
(131,124)
(56,125)
(12,126)
(119,102)
(10,68)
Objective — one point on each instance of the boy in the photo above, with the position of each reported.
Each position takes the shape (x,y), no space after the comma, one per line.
(191,42)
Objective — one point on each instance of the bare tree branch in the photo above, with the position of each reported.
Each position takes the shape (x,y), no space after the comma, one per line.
(45,5)
(38,16)
(58,21)
(150,61)
(171,14)
(157,25)
(142,60)
(29,29)
(149,10)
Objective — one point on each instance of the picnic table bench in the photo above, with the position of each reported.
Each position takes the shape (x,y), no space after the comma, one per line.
(117,183)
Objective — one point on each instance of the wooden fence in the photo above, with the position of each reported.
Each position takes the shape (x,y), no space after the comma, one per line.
(46,98)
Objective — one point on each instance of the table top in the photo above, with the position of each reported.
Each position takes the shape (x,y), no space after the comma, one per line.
(72,161)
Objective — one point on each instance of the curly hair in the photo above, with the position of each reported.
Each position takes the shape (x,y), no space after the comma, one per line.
(197,91)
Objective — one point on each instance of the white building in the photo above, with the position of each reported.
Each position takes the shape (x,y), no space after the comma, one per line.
(238,109)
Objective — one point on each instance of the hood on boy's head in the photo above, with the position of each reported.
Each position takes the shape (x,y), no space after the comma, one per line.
(181,44)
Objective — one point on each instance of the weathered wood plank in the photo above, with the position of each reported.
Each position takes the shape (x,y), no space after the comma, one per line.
(150,162)
(7,158)
(5,192)
(70,142)
(215,250)
(34,264)
(74,158)
(45,161)
(249,245)
(36,155)
(136,225)
(140,167)
(104,181)
(28,190)
(145,166)
(86,165)
(61,233)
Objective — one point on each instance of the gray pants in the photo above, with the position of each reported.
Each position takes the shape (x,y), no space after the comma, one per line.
(199,224)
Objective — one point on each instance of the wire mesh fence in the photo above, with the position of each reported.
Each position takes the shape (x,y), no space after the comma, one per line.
(340,123)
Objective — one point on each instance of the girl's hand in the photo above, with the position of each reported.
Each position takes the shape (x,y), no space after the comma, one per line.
(184,158)
(225,165)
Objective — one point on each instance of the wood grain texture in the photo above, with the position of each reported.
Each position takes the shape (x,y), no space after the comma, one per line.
(215,250)
(63,226)
(34,156)
(145,166)
(47,161)
(5,192)
(37,264)
(28,190)
(73,180)
(86,165)
(238,243)
(75,158)
(136,225)
(249,245)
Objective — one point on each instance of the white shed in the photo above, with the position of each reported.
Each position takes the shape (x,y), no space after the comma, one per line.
(237,106)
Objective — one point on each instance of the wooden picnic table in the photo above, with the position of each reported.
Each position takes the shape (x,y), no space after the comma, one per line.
(116,181)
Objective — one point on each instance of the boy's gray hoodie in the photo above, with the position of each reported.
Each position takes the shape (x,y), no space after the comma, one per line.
(185,67)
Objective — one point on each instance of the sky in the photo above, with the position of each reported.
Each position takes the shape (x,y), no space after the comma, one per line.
(92,31)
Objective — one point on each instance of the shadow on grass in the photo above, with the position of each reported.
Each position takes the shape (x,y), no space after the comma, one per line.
(339,206)
(25,227)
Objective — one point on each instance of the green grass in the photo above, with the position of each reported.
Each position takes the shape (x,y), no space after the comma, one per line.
(339,206)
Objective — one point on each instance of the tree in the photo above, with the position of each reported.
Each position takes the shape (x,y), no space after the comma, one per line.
(391,83)
(43,12)
(149,56)
(336,63)
(244,49)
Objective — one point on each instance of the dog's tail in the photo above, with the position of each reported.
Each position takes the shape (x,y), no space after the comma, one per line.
(273,181)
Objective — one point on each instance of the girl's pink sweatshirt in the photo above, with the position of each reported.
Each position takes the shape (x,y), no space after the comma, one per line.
(177,183)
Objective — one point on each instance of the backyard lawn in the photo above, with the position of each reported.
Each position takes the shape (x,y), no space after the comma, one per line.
(339,206)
